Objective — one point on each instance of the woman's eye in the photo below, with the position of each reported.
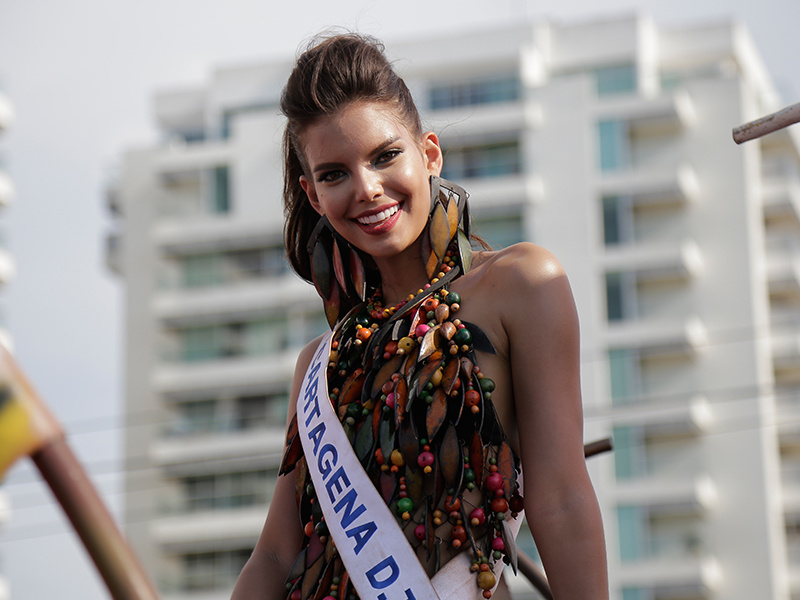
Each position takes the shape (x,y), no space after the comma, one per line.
(329,176)
(388,156)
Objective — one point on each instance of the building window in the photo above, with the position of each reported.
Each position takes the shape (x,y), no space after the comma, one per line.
(628,452)
(618,220)
(619,79)
(632,527)
(624,370)
(485,160)
(500,231)
(220,190)
(614,145)
(225,491)
(493,89)
(629,593)
(224,268)
(251,338)
(620,295)
(213,570)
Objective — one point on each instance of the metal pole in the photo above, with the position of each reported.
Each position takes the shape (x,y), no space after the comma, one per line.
(778,120)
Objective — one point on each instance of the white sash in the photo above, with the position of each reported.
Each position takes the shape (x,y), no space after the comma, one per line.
(379,559)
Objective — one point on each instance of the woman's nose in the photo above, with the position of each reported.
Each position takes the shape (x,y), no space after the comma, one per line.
(369,185)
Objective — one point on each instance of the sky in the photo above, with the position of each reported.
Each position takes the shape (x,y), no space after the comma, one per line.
(82,75)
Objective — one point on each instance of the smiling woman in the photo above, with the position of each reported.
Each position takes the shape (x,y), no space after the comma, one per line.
(402,473)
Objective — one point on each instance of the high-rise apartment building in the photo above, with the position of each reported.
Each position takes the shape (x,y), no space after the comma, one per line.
(607,141)
(6,272)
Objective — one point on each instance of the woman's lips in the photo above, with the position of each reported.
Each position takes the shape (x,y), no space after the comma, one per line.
(380,222)
(378,217)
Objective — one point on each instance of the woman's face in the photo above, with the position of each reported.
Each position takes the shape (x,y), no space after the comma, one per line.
(369,175)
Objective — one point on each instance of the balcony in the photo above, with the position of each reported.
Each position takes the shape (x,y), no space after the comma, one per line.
(785,345)
(211,235)
(482,120)
(655,261)
(691,416)
(255,297)
(7,189)
(781,196)
(6,112)
(665,493)
(220,529)
(7,267)
(652,185)
(658,337)
(228,374)
(508,190)
(688,576)
(203,453)
(663,114)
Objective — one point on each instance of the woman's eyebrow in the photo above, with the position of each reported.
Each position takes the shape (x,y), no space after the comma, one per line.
(327,166)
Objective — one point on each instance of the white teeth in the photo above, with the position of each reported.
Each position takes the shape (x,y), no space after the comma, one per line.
(381,216)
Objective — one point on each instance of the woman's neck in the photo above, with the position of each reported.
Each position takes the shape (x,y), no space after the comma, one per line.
(401,275)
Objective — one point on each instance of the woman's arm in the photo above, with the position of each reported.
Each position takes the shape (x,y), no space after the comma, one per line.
(560,503)
(264,575)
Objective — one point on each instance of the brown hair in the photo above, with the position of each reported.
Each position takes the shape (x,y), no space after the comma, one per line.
(328,76)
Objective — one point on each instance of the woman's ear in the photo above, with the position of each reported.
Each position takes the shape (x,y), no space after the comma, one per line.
(432,152)
(311,192)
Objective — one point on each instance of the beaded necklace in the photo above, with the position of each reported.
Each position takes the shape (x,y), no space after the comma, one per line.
(417,410)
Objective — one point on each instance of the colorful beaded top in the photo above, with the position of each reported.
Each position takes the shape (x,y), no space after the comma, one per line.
(418,412)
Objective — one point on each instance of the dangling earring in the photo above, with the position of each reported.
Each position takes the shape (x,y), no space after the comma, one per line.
(448,220)
(338,271)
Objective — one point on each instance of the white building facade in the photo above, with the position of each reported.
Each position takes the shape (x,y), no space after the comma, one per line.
(607,142)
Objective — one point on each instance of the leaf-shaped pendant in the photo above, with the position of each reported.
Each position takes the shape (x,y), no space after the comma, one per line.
(430,343)
(385,373)
(511,545)
(400,400)
(312,576)
(429,259)
(450,374)
(338,266)
(464,250)
(327,575)
(408,441)
(476,458)
(321,270)
(452,216)
(506,468)
(351,388)
(437,411)
(358,275)
(451,459)
(332,305)
(439,231)
(414,483)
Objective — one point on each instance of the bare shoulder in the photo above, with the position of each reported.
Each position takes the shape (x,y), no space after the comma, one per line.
(519,268)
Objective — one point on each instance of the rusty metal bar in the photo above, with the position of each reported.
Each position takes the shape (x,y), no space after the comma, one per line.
(777,120)
(119,567)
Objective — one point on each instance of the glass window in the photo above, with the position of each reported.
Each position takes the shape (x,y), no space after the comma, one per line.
(618,220)
(251,338)
(628,450)
(636,594)
(493,89)
(614,145)
(196,417)
(220,200)
(213,570)
(500,231)
(615,300)
(632,524)
(201,270)
(486,160)
(624,374)
(618,79)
